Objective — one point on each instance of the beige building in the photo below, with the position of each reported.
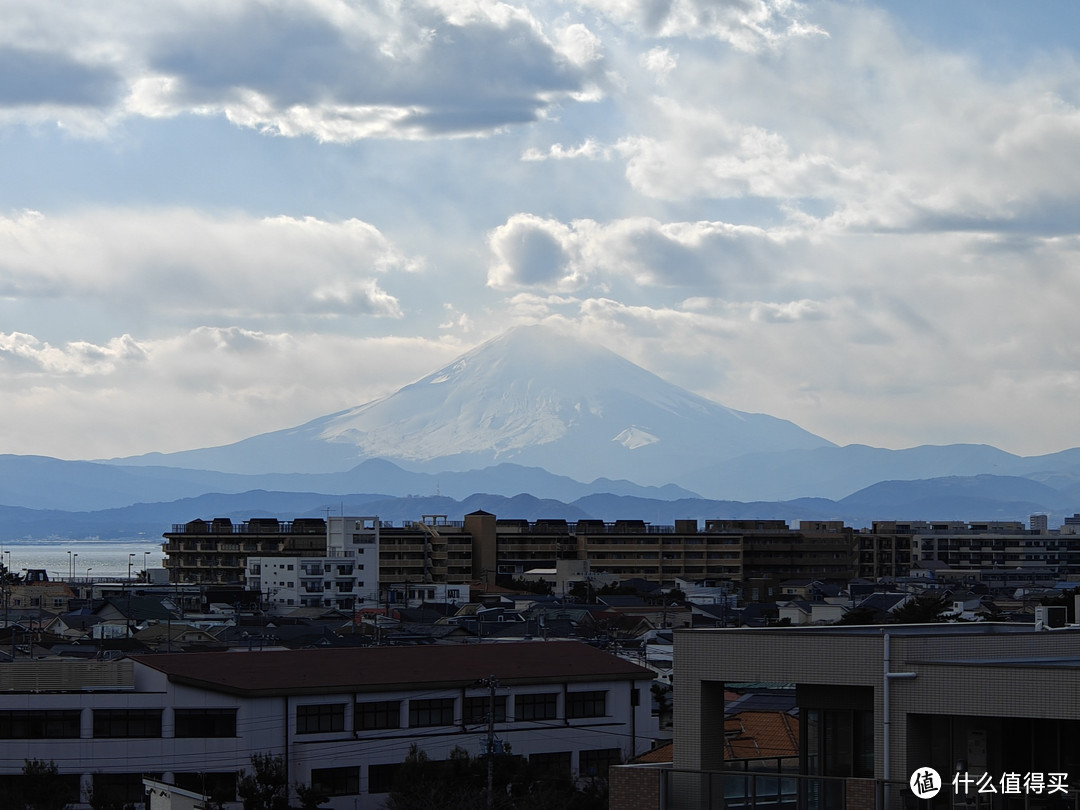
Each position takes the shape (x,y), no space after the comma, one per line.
(878,703)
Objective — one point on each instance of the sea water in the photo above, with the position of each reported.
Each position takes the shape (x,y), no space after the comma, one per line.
(94,558)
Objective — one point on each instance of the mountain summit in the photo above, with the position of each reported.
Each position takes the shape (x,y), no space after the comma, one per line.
(532,396)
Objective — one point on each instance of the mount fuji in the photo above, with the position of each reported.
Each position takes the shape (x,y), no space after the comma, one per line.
(532,397)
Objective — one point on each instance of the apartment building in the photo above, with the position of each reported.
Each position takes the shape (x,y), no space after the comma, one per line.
(344,575)
(876,704)
(342,719)
(759,553)
(1003,553)
(215,552)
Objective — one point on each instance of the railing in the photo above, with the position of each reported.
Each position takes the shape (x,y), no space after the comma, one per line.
(756,787)
(775,784)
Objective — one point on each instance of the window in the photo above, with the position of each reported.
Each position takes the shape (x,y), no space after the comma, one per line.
(553,762)
(476,710)
(205,723)
(535,707)
(381,777)
(586,704)
(118,788)
(318,718)
(127,723)
(377,715)
(67,785)
(209,783)
(435,712)
(597,761)
(336,781)
(39,725)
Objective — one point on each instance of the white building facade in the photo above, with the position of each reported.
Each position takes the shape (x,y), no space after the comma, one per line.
(346,577)
(342,719)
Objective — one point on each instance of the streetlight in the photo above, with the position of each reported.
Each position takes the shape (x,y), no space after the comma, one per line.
(145,568)
(131,559)
(71,568)
(89,585)
(74,564)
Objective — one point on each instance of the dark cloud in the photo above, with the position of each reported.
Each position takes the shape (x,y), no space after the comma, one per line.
(30,77)
(456,77)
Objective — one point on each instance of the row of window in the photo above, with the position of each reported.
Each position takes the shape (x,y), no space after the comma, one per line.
(55,724)
(386,714)
(318,718)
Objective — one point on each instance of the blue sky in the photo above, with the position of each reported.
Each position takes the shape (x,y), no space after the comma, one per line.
(218,219)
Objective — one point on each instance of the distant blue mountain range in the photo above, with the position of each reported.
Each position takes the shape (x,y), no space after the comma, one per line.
(535,424)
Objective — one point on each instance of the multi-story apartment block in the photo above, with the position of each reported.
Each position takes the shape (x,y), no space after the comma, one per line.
(434,550)
(996,552)
(345,574)
(216,551)
(341,719)
(883,554)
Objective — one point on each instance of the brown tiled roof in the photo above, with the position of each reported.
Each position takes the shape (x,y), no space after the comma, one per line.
(660,754)
(761,734)
(373,669)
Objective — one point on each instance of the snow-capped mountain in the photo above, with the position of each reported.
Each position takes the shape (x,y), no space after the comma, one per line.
(532,396)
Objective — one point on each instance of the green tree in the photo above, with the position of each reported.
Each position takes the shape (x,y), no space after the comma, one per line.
(266,787)
(40,787)
(309,797)
(859,615)
(920,610)
(460,783)
(100,799)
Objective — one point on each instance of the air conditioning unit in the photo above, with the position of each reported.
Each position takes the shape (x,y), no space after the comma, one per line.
(1047,616)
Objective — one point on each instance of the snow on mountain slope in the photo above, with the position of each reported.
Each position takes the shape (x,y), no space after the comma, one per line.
(534,397)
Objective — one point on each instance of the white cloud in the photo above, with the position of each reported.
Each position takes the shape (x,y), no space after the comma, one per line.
(747,25)
(659,61)
(534,252)
(541,253)
(865,129)
(588,150)
(192,389)
(236,265)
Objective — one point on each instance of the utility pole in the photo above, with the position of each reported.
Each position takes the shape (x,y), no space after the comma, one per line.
(492,683)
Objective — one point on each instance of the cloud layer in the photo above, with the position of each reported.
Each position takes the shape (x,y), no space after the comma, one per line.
(244,215)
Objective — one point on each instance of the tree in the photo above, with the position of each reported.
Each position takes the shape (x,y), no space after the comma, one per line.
(41,787)
(920,610)
(100,799)
(522,585)
(860,615)
(460,783)
(7,577)
(309,797)
(267,786)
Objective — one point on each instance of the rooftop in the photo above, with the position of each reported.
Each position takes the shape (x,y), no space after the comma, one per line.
(372,669)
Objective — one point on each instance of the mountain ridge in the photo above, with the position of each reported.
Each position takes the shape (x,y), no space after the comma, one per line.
(532,396)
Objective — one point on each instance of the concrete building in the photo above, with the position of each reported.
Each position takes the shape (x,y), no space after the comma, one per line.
(343,576)
(215,552)
(876,704)
(998,553)
(757,554)
(342,719)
